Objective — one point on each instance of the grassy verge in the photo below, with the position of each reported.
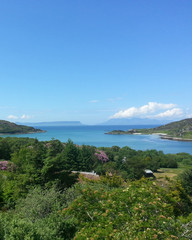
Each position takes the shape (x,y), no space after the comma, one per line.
(165,174)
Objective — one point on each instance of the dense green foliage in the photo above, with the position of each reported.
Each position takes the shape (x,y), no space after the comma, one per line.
(12,128)
(41,198)
(38,216)
(186,180)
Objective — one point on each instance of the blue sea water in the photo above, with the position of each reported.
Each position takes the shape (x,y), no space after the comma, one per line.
(95,135)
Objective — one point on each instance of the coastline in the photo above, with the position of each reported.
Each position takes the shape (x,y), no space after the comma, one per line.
(176,138)
(94,136)
(165,136)
(19,133)
(161,135)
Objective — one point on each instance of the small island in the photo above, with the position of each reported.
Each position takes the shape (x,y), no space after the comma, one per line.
(178,131)
(7,127)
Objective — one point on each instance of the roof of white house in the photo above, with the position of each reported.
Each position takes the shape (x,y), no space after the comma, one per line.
(148,171)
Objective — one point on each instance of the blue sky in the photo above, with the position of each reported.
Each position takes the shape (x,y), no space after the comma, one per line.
(95,60)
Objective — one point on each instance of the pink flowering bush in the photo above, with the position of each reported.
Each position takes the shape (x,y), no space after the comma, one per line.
(7,165)
(102,156)
(3,165)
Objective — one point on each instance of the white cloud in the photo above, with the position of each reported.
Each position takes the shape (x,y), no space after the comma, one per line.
(25,116)
(175,112)
(12,117)
(143,111)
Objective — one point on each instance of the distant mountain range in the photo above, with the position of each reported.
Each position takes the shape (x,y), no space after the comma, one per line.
(120,121)
(56,123)
(135,121)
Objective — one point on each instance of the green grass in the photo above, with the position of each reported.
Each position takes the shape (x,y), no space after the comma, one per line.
(170,173)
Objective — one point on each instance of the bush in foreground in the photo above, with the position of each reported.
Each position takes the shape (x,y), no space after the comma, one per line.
(142,210)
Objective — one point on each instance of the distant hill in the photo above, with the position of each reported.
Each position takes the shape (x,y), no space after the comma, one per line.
(7,127)
(135,121)
(56,123)
(179,130)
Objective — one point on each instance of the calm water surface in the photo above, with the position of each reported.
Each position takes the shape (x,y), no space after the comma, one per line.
(94,135)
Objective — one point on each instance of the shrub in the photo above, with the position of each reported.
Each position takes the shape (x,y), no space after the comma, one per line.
(3,165)
(112,180)
(186,180)
(102,156)
(38,217)
(142,210)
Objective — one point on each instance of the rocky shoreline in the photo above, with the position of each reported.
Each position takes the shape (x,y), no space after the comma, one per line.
(175,138)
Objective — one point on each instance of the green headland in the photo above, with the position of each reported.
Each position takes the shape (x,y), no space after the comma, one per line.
(7,127)
(179,130)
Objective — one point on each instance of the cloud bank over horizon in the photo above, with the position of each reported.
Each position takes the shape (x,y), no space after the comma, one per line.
(14,117)
(152,110)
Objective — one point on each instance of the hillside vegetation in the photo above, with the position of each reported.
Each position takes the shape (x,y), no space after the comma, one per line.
(41,198)
(181,128)
(7,127)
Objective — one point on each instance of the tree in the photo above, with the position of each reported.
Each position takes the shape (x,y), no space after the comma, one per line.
(70,156)
(54,147)
(5,152)
(86,158)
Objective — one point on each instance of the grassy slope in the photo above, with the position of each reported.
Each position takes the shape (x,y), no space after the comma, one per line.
(181,128)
